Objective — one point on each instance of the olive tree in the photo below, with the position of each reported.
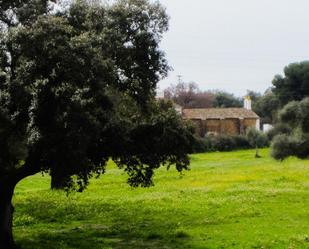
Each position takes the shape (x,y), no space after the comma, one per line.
(257,139)
(77,87)
(296,115)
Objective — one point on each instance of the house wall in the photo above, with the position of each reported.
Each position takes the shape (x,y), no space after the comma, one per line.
(230,126)
(249,123)
(223,126)
(212,125)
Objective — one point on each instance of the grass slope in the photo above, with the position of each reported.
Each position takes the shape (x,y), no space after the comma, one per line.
(227,200)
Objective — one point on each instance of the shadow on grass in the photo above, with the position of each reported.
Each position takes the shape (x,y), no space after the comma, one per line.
(90,238)
(98,226)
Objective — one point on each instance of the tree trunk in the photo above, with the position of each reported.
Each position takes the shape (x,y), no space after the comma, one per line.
(8,183)
(257,154)
(58,182)
(6,216)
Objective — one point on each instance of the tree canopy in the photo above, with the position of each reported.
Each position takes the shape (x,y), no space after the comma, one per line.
(225,99)
(294,85)
(266,106)
(188,95)
(77,87)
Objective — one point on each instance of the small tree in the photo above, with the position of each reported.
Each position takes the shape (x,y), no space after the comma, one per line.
(257,140)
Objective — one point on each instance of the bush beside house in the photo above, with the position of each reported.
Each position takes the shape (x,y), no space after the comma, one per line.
(229,142)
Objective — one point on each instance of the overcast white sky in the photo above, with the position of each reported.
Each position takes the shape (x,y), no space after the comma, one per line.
(234,45)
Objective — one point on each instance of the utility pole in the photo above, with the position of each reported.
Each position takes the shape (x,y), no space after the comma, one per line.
(179,76)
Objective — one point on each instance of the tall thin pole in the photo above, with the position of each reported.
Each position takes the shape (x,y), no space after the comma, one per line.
(179,78)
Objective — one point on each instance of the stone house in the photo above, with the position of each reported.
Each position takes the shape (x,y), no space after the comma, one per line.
(232,121)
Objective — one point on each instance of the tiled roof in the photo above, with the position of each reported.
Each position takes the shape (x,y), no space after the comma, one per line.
(218,113)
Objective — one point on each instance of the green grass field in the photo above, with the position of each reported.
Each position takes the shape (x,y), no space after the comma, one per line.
(227,200)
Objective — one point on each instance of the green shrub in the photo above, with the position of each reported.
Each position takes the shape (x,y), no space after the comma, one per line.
(283,146)
(296,115)
(241,142)
(225,142)
(257,139)
(279,129)
(222,143)
(200,145)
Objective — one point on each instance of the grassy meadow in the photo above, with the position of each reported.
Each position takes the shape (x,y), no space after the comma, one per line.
(226,200)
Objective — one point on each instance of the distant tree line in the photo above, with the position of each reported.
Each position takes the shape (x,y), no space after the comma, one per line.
(189,95)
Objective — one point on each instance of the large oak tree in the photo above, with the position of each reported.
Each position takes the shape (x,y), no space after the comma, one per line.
(77,86)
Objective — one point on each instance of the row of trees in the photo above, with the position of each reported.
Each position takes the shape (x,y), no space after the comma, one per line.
(188,95)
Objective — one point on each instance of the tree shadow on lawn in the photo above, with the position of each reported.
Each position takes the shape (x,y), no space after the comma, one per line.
(83,226)
(94,238)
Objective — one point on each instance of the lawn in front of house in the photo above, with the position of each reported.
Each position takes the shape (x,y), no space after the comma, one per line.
(226,200)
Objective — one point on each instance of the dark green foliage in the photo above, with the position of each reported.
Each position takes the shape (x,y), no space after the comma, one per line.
(14,12)
(226,143)
(202,145)
(296,115)
(257,138)
(284,145)
(57,93)
(290,114)
(222,143)
(77,87)
(304,115)
(161,138)
(224,99)
(241,142)
(279,128)
(266,106)
(295,83)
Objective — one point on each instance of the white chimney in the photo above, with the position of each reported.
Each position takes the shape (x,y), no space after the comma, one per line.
(247,103)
